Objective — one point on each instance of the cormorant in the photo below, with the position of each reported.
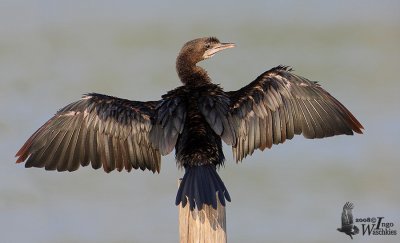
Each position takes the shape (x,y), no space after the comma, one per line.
(115,133)
(347,221)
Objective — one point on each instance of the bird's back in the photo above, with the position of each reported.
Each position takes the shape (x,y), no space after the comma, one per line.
(198,144)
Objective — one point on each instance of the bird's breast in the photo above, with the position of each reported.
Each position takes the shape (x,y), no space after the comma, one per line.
(198,144)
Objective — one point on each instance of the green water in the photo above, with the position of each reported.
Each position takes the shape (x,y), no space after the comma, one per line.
(51,52)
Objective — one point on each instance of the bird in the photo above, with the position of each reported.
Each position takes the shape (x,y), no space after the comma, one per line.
(194,118)
(347,221)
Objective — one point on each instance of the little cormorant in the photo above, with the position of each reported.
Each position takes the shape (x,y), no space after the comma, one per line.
(115,133)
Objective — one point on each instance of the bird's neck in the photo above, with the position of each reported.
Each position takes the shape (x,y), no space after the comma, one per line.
(189,73)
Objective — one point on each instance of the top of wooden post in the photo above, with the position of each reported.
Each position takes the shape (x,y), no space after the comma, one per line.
(207,225)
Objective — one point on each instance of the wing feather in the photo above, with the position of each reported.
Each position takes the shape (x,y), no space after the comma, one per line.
(169,120)
(214,104)
(278,105)
(100,130)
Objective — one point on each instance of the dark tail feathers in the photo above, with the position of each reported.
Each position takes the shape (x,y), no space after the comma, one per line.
(200,185)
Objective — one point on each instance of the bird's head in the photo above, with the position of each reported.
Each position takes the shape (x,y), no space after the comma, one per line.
(203,48)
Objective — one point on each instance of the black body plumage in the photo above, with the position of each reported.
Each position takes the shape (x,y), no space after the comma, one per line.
(114,133)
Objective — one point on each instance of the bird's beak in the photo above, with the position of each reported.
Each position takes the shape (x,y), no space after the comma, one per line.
(218,47)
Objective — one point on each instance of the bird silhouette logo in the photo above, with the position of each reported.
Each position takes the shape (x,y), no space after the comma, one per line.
(347,221)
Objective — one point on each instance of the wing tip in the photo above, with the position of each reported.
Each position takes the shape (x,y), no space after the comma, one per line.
(22,154)
(20,159)
(282,68)
(348,205)
(359,128)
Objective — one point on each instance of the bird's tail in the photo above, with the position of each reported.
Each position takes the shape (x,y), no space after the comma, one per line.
(201,185)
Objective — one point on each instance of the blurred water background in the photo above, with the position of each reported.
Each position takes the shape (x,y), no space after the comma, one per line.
(51,52)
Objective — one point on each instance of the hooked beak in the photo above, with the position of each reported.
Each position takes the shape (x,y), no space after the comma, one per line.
(218,47)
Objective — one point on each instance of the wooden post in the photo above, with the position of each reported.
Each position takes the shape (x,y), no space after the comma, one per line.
(204,226)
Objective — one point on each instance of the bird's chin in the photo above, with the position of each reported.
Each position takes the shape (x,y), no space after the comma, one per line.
(207,56)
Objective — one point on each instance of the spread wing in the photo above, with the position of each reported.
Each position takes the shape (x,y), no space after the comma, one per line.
(278,105)
(98,129)
(214,104)
(347,216)
(169,121)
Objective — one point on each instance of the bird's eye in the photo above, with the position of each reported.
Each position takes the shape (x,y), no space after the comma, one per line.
(208,45)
